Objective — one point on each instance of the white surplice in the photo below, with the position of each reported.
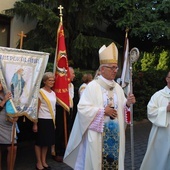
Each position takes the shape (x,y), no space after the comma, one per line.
(84,147)
(157,155)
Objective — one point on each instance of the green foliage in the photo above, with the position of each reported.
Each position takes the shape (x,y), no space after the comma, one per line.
(49,67)
(156,60)
(151,78)
(149,61)
(145,84)
(43,37)
(85,45)
(89,24)
(164,61)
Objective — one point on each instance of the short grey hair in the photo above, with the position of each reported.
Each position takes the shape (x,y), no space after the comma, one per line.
(47,75)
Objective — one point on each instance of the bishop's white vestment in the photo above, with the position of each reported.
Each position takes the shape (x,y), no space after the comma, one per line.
(84,149)
(157,155)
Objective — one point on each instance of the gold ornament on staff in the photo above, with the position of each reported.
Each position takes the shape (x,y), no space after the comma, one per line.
(127,30)
(61,14)
(22,35)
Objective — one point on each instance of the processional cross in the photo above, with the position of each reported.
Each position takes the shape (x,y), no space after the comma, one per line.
(22,35)
(61,14)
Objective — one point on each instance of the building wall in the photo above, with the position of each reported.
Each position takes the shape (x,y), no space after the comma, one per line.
(6,4)
(16,25)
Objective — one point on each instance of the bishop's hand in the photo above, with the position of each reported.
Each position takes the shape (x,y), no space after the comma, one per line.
(130,100)
(111,112)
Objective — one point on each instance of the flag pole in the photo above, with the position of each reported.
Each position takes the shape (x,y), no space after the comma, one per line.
(11,164)
(133,57)
(64,111)
(12,146)
(125,77)
(131,116)
(61,21)
(125,44)
(131,106)
(126,83)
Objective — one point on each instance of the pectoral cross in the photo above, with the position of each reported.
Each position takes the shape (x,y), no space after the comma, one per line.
(22,35)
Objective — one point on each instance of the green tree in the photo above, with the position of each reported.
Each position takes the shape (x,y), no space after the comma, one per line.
(89,24)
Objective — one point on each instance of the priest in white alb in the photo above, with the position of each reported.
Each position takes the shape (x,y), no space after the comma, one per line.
(157,155)
(97,140)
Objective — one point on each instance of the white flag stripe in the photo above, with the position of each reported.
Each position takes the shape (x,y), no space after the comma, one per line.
(125,77)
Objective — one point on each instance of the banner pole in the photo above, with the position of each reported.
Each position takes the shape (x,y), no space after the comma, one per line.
(12,146)
(133,55)
(65,128)
(131,124)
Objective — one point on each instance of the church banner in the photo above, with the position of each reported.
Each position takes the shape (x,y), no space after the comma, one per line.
(62,74)
(21,72)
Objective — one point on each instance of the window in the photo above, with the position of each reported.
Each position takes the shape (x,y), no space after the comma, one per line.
(4,30)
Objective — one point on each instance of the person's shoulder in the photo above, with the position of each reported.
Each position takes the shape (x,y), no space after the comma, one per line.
(117,85)
(53,91)
(163,91)
(157,94)
(92,83)
(82,86)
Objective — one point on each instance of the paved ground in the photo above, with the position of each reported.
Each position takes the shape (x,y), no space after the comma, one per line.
(141,134)
(26,157)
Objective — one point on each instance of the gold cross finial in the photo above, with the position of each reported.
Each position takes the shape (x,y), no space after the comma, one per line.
(22,35)
(127,30)
(60,8)
(61,14)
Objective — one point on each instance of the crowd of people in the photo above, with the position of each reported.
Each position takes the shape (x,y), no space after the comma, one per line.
(96,133)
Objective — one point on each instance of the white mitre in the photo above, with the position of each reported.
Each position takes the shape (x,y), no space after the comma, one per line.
(108,54)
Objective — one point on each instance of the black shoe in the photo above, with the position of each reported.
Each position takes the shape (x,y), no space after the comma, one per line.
(38,168)
(58,158)
(48,167)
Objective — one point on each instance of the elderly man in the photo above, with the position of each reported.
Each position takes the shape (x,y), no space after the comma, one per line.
(97,140)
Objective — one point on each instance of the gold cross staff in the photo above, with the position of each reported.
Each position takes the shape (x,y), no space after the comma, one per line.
(22,35)
(61,14)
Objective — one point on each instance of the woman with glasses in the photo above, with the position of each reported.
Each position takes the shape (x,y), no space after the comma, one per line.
(45,127)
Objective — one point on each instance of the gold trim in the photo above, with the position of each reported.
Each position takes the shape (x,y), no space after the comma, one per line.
(111,61)
(22,114)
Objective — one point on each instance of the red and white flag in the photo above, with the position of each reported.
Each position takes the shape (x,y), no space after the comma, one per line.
(62,75)
(125,77)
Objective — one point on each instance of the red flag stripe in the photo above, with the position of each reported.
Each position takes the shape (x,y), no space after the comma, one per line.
(62,75)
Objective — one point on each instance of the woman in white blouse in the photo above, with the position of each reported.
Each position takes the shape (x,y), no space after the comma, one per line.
(45,127)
